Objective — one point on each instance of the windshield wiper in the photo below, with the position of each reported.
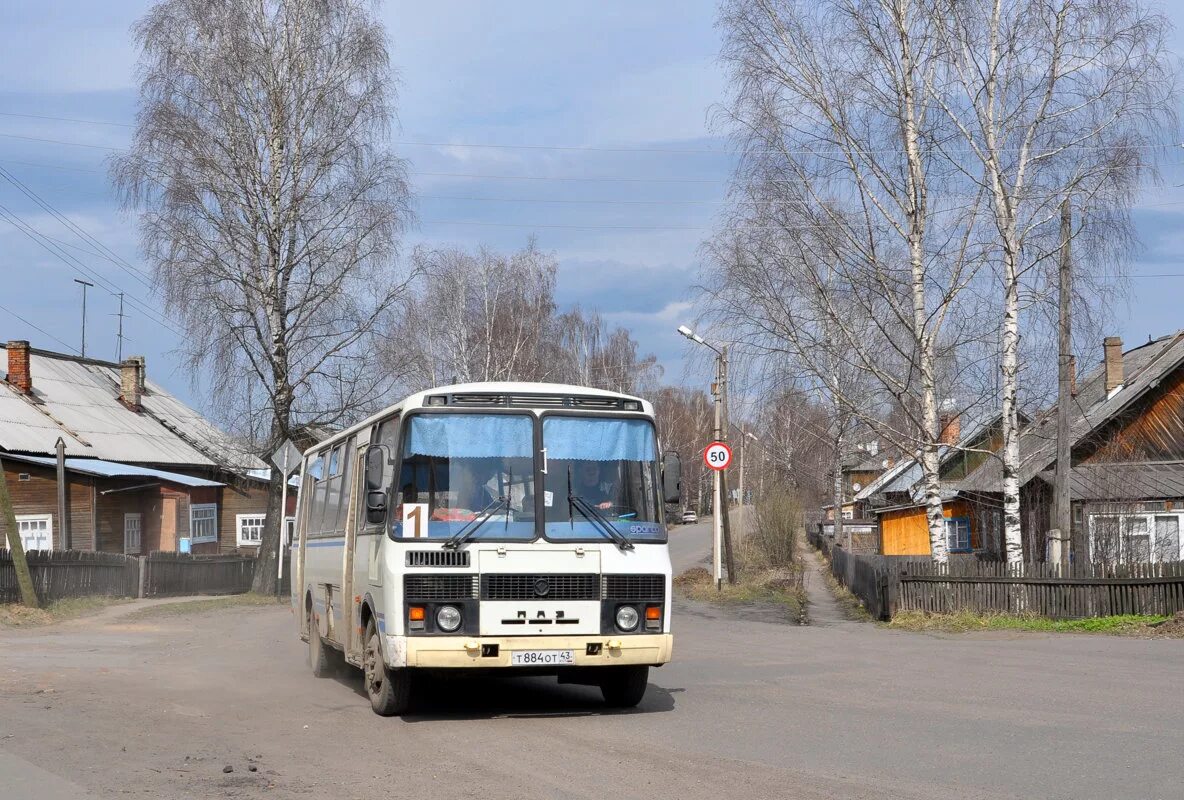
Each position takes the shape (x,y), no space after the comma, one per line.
(473,525)
(597,519)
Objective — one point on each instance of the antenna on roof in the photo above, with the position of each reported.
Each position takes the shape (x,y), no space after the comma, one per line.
(119,334)
(84,285)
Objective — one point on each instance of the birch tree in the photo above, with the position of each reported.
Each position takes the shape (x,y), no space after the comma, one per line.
(1050,99)
(270,207)
(836,254)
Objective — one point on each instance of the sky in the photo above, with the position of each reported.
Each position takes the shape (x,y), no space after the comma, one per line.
(587,126)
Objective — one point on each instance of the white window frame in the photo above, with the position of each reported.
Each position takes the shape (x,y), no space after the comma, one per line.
(240,522)
(127,549)
(46,518)
(951,529)
(203,507)
(1149,518)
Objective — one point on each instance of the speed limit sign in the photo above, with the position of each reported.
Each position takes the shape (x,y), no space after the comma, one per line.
(717,455)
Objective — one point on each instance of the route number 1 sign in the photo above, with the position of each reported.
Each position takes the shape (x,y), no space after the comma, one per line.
(717,455)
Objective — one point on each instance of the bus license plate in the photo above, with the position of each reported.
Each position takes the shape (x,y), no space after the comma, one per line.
(542,658)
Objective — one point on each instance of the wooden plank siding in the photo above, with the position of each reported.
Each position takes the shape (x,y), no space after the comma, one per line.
(39,495)
(905,531)
(1151,431)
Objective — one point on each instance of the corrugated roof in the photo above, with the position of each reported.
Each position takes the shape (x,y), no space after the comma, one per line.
(77,400)
(111,469)
(1144,367)
(1155,480)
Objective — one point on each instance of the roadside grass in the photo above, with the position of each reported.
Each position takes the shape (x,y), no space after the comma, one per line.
(15,615)
(851,606)
(187,607)
(966,621)
(768,569)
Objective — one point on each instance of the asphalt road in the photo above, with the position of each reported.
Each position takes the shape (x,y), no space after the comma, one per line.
(107,708)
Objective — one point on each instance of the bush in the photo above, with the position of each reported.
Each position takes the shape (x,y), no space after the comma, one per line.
(773,542)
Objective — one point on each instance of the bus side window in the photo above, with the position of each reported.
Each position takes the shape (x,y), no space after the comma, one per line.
(316,514)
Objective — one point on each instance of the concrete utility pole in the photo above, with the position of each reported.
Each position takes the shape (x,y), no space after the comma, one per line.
(729,558)
(20,564)
(722,535)
(84,284)
(1062,516)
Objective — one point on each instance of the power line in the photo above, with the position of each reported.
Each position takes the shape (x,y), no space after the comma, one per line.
(70,225)
(73,263)
(604,149)
(42,331)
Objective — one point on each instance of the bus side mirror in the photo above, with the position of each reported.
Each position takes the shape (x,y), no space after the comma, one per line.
(672,478)
(377,459)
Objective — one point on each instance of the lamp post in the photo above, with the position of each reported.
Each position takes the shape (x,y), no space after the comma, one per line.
(721,525)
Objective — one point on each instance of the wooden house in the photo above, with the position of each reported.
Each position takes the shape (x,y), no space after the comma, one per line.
(1127,465)
(141,470)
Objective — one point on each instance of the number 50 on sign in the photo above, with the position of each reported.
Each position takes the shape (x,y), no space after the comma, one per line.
(717,455)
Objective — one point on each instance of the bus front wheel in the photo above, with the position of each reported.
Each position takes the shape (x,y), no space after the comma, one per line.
(623,687)
(389,690)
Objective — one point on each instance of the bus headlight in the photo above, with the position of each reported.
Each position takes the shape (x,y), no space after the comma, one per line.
(448,618)
(627,618)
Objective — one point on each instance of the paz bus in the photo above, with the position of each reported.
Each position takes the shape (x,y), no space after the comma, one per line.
(490,526)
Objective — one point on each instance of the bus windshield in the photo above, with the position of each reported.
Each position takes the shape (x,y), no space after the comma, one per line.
(456,466)
(609,464)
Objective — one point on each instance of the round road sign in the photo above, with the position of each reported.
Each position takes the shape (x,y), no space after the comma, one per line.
(717,455)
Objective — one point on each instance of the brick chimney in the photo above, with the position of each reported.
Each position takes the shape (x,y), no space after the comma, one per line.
(141,373)
(951,428)
(130,383)
(19,376)
(1112,361)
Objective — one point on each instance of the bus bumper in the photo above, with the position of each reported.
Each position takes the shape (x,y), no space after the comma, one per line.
(475,651)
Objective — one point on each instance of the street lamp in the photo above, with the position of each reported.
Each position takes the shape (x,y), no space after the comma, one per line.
(721,527)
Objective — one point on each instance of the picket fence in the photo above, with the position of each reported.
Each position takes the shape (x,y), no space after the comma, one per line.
(59,574)
(888,585)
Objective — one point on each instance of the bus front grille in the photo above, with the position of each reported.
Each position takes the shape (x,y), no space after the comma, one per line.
(650,588)
(584,586)
(437,558)
(440,587)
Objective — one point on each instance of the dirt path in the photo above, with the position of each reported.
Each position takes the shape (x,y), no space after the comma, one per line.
(824,610)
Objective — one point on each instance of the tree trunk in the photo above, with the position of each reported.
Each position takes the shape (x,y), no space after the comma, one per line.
(1012,537)
(15,546)
(265,580)
(837,488)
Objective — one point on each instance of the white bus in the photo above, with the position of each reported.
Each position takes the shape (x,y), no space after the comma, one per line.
(514,526)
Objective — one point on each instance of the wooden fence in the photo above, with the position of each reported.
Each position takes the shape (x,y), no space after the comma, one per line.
(172,574)
(887,585)
(59,574)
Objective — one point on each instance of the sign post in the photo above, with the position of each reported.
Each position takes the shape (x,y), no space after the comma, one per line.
(717,456)
(287,458)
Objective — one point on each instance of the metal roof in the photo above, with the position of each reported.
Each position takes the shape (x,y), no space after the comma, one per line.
(1143,368)
(111,469)
(77,400)
(1152,480)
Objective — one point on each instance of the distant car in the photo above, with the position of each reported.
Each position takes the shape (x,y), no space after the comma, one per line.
(689,517)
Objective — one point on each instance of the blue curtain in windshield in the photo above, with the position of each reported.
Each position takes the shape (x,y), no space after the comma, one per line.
(598,439)
(470,436)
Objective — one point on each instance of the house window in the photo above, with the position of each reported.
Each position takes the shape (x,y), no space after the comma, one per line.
(36,532)
(1134,538)
(958,534)
(131,533)
(250,529)
(203,523)
(1167,538)
(848,514)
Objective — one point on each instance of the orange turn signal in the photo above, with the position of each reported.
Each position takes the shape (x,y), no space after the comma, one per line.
(653,612)
(415,614)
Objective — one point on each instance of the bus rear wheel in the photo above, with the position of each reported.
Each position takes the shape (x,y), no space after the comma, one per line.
(623,687)
(318,654)
(389,690)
